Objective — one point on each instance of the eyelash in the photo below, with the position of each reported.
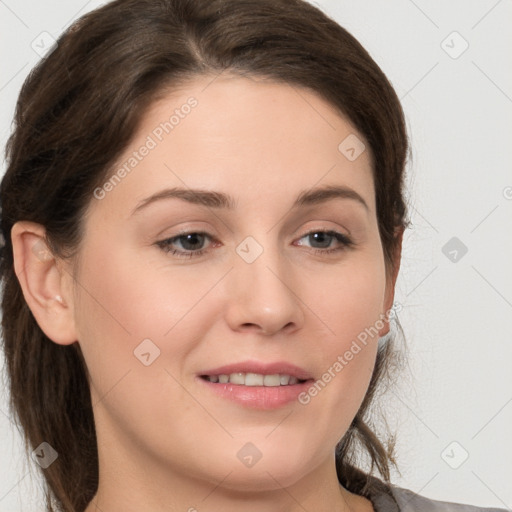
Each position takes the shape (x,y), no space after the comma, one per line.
(344,240)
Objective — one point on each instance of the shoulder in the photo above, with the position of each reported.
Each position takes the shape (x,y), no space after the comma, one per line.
(409,501)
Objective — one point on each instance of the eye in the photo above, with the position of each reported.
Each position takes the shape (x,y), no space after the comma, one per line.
(192,243)
(325,238)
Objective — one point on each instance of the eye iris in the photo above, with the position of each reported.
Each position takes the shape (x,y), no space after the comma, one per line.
(194,238)
(321,235)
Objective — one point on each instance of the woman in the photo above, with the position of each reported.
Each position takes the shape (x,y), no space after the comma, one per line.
(203,214)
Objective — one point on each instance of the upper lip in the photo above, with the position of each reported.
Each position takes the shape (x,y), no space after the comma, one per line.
(278,367)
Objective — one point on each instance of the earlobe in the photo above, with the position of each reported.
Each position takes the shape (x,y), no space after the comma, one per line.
(42,281)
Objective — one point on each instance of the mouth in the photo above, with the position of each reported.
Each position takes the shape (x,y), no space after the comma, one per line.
(254,379)
(256,385)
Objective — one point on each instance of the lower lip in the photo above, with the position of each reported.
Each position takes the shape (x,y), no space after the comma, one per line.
(258,397)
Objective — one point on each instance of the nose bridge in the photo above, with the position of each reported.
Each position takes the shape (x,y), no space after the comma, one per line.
(261,293)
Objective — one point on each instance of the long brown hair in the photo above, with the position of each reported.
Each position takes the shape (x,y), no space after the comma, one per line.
(76,112)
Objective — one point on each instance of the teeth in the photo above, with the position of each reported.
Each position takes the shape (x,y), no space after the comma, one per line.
(284,379)
(271,380)
(254,379)
(237,378)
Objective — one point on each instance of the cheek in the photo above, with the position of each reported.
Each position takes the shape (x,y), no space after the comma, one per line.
(131,299)
(352,299)
(124,302)
(351,312)
(115,313)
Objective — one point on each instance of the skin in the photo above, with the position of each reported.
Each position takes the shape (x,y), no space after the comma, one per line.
(164,442)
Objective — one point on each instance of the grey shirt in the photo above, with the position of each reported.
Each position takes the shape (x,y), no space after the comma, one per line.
(398,499)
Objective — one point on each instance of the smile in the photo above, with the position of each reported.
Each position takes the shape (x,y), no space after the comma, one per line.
(254,379)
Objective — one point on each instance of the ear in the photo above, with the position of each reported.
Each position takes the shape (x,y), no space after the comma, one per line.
(45,282)
(391,280)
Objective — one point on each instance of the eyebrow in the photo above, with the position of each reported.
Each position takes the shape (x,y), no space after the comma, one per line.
(213,199)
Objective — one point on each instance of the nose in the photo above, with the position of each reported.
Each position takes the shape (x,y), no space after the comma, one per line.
(262,297)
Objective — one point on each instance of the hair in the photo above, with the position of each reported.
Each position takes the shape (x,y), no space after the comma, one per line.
(78,110)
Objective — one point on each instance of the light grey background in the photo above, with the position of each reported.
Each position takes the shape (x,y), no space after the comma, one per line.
(457,315)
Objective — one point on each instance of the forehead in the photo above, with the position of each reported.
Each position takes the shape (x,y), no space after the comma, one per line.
(248,137)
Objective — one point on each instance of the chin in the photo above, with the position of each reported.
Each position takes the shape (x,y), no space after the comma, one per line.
(269,473)
(247,481)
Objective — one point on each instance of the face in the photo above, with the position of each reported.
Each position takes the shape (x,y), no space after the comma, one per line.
(177,288)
